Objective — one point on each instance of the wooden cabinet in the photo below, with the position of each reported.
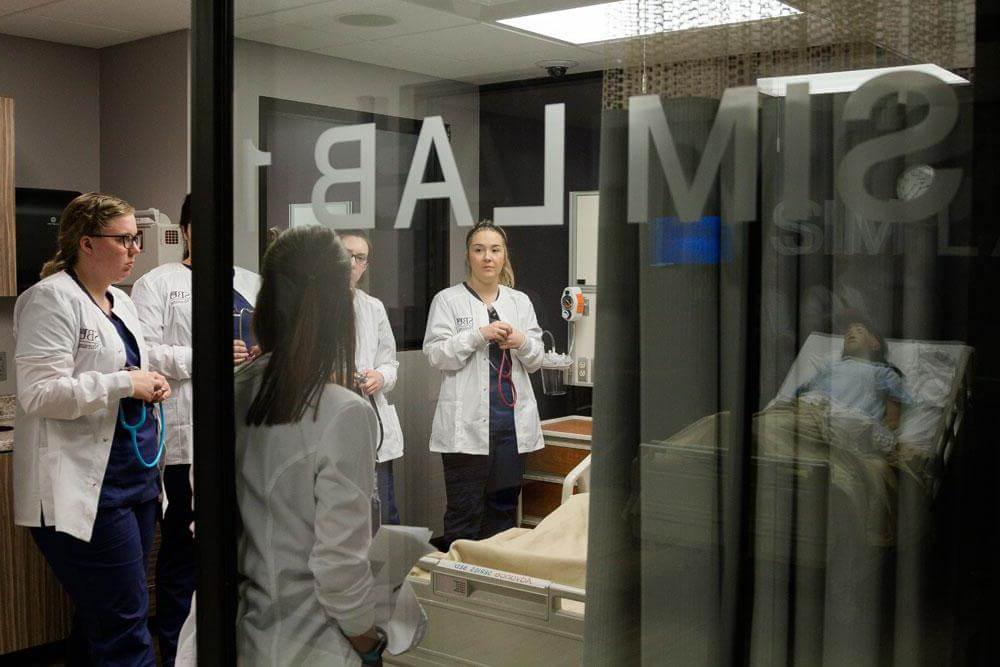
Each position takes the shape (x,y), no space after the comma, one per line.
(8,245)
(567,443)
(34,610)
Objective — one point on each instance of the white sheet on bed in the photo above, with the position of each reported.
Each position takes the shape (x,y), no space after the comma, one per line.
(929,370)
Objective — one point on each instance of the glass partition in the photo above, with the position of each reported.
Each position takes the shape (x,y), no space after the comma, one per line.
(756,438)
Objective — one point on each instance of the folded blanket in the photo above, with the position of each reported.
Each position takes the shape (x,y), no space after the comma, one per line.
(556,549)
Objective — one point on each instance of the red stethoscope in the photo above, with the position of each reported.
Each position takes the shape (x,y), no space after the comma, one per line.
(504,372)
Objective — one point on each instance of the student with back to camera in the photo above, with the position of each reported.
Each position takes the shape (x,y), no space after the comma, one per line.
(483,336)
(305,467)
(89,437)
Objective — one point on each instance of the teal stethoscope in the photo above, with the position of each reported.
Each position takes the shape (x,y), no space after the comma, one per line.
(133,430)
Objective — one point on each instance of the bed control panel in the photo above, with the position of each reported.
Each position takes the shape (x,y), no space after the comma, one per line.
(507,591)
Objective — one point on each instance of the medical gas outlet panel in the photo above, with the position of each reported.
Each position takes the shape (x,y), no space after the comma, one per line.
(579,309)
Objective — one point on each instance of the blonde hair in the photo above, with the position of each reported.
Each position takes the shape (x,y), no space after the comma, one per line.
(86,215)
(507,270)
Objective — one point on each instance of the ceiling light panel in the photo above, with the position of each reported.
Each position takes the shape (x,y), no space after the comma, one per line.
(845,82)
(625,19)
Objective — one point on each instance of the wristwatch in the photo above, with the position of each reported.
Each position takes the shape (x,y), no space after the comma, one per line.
(374,656)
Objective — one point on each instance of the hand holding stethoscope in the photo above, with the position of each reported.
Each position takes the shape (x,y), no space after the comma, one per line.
(149,386)
(242,354)
(503,334)
(370,382)
(506,338)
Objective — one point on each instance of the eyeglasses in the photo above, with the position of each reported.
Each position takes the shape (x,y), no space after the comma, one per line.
(127,240)
(361,259)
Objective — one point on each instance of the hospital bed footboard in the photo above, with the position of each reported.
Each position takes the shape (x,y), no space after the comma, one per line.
(482,616)
(681,487)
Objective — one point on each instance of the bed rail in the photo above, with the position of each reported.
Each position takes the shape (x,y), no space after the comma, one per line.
(580,475)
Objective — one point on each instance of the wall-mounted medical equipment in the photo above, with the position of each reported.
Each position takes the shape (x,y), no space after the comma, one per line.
(161,243)
(579,300)
(554,368)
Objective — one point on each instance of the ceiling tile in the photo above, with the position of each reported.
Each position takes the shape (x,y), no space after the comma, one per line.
(480,40)
(244,8)
(410,18)
(291,36)
(64,32)
(13,6)
(146,17)
(380,53)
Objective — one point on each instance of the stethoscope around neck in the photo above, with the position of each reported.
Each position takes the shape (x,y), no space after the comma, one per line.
(133,432)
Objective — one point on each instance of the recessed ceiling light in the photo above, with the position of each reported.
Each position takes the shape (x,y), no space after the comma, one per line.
(612,20)
(366,20)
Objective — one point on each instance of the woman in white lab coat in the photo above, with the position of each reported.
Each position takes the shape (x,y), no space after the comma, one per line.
(305,467)
(163,300)
(484,337)
(89,441)
(375,357)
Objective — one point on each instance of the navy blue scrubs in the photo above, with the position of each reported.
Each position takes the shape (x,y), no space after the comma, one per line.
(106,577)
(483,490)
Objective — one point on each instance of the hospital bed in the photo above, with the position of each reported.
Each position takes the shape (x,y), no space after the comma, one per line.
(794,515)
(517,616)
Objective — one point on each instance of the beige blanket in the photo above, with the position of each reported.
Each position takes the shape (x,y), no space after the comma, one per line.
(556,549)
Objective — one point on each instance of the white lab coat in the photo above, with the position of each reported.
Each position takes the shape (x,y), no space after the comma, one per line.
(375,349)
(69,360)
(163,300)
(454,345)
(304,492)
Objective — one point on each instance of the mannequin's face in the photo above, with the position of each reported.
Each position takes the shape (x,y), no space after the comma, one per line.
(860,342)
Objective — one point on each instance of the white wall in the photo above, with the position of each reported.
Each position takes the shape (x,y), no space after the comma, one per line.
(56,113)
(144,122)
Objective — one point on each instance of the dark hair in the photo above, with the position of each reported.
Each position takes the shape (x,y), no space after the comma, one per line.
(507,271)
(305,319)
(86,215)
(185,220)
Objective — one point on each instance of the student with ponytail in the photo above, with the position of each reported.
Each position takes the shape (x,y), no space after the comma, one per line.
(483,336)
(305,467)
(89,438)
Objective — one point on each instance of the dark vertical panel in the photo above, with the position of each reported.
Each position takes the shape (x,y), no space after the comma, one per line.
(979,539)
(212,220)
(613,633)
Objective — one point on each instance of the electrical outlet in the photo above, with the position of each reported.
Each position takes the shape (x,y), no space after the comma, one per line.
(3,366)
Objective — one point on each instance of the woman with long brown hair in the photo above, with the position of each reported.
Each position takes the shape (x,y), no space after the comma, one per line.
(483,336)
(305,466)
(89,441)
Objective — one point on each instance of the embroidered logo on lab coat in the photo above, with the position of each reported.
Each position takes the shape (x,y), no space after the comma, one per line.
(179,296)
(463,323)
(89,339)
